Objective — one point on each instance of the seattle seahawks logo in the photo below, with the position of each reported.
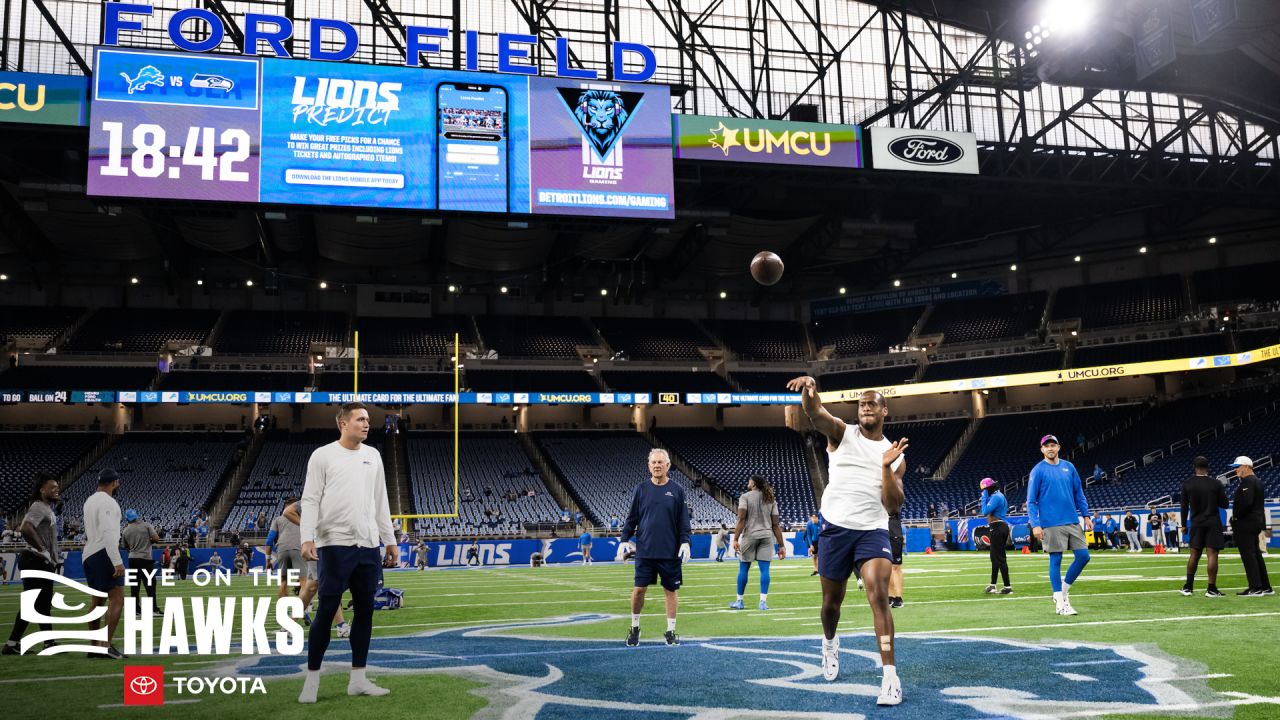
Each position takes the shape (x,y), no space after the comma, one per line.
(602,115)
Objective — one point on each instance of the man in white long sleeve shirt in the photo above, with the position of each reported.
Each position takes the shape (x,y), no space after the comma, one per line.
(345,516)
(103,567)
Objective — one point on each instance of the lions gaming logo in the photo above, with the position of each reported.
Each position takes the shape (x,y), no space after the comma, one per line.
(531,676)
(602,116)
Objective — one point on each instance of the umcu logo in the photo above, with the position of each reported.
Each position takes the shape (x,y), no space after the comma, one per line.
(763,140)
(925,150)
(143,685)
(602,116)
(21,97)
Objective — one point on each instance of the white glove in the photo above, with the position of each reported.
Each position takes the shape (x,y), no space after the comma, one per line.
(685,553)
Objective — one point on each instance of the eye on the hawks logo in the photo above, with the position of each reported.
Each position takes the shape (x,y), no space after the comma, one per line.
(602,115)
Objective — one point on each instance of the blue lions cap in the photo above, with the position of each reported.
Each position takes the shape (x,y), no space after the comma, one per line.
(130,515)
(107,475)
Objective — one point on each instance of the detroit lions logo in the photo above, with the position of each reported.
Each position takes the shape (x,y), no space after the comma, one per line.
(550,678)
(148,75)
(602,115)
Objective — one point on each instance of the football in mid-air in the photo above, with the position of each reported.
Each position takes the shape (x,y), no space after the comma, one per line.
(766,268)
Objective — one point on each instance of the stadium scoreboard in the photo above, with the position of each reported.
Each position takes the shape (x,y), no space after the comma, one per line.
(307,132)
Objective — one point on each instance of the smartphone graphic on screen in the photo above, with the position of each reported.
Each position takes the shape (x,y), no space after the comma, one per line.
(472,169)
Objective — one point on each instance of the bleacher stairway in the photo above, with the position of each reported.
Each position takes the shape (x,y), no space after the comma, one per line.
(227,497)
(547,471)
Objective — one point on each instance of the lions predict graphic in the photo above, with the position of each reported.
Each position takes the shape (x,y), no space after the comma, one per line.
(602,115)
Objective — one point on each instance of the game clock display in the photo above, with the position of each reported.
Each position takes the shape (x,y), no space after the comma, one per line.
(209,127)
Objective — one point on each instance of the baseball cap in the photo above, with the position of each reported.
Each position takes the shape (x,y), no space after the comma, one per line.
(1242,460)
(130,515)
(1048,439)
(986,483)
(107,475)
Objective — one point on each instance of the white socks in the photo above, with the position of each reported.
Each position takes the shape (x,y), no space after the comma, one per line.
(360,685)
(635,620)
(1057,597)
(310,687)
(671,624)
(1066,588)
(764,597)
(739,598)
(890,671)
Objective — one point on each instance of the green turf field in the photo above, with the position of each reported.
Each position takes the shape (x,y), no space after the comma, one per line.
(1136,641)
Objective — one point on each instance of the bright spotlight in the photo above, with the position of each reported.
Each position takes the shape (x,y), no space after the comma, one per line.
(897,283)
(324,285)
(1213,241)
(453,288)
(842,291)
(133,281)
(1068,16)
(1143,250)
(503,289)
(603,292)
(248,283)
(723,295)
(955,275)
(1076,258)
(1013,267)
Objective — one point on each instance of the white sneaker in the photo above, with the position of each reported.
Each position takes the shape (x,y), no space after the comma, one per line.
(831,660)
(366,688)
(890,691)
(1064,608)
(859,583)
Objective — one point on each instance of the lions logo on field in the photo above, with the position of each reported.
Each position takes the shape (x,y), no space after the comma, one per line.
(532,676)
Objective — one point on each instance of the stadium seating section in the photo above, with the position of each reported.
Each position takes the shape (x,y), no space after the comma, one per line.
(665,381)
(866,333)
(1166,349)
(282,333)
(36,326)
(1128,302)
(986,319)
(530,337)
(136,330)
(413,337)
(76,377)
(493,468)
(730,457)
(653,338)
(762,340)
(995,365)
(279,472)
(23,454)
(764,382)
(603,469)
(873,377)
(1250,283)
(164,476)
(489,380)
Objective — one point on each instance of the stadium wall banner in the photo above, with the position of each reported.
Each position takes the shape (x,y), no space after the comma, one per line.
(42,99)
(934,151)
(729,139)
(248,129)
(910,297)
(513,49)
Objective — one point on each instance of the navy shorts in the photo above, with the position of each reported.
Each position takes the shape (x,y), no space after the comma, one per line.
(648,570)
(99,572)
(840,550)
(343,568)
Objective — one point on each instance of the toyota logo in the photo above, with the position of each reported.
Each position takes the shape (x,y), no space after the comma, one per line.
(144,685)
(925,150)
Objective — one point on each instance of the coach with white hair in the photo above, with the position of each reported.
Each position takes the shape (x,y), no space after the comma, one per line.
(1248,517)
(345,516)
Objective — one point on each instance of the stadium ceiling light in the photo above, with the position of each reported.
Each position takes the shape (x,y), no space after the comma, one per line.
(503,289)
(604,292)
(1076,258)
(955,275)
(843,291)
(133,281)
(248,283)
(1068,15)
(453,288)
(723,295)
(1143,249)
(1028,35)
(1074,333)
(1213,241)
(1013,267)
(324,285)
(897,283)
(199,282)
(3,277)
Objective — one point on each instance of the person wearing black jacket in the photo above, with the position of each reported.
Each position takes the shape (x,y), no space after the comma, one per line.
(1247,520)
(1203,495)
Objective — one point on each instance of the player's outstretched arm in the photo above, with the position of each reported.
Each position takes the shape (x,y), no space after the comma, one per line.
(891,492)
(824,422)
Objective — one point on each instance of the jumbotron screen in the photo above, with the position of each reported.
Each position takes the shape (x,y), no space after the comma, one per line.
(243,129)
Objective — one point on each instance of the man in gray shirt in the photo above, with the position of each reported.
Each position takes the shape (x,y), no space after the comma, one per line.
(138,536)
(286,539)
(39,528)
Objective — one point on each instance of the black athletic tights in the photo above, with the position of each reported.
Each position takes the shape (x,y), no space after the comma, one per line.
(44,601)
(999,563)
(361,629)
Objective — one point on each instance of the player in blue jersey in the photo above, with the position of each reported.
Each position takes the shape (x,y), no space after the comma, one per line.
(996,508)
(810,537)
(584,544)
(659,523)
(1055,505)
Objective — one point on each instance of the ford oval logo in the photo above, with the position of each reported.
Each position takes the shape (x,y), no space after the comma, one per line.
(925,150)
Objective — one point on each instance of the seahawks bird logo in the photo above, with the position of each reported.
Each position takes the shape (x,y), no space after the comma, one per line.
(602,115)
